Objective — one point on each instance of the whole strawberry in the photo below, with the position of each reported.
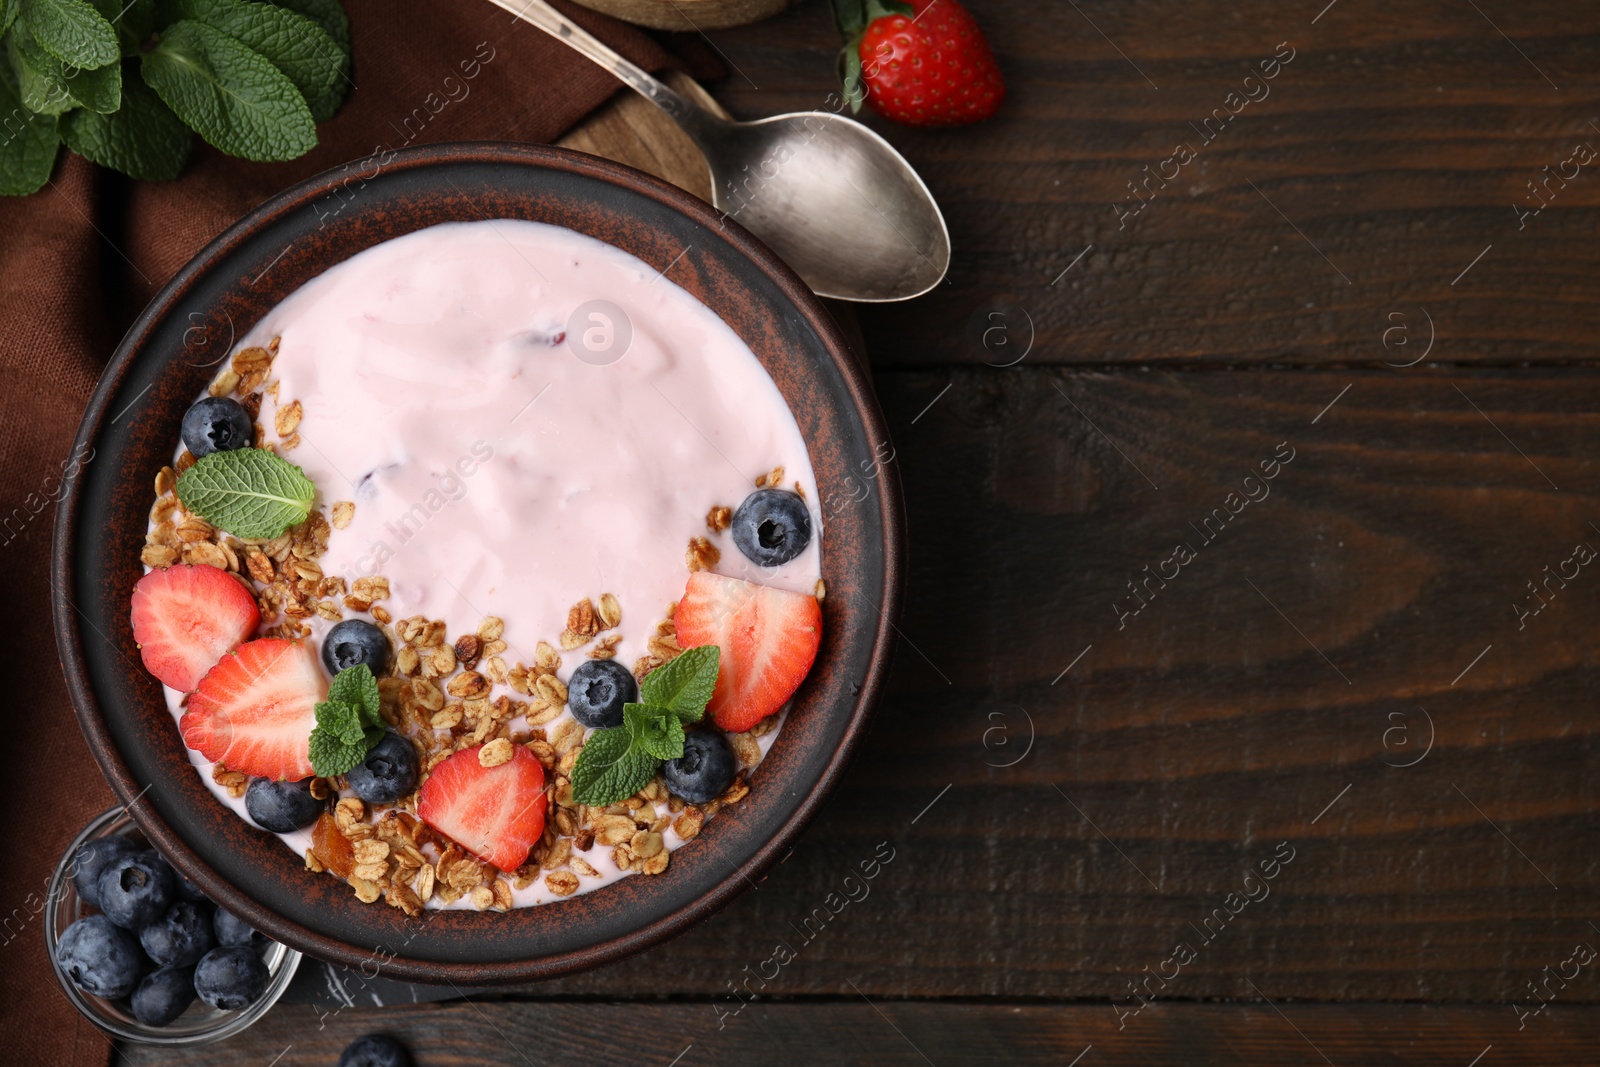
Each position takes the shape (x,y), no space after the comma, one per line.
(924,63)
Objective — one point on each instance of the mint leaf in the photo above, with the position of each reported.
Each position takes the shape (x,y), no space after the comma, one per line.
(654,730)
(343,737)
(142,139)
(357,687)
(611,768)
(296,45)
(331,757)
(72,31)
(329,14)
(52,87)
(28,147)
(248,492)
(134,21)
(8,13)
(233,97)
(339,719)
(684,685)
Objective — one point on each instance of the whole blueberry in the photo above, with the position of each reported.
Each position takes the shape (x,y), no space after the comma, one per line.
(180,937)
(389,773)
(704,770)
(93,857)
(597,691)
(356,641)
(163,995)
(216,424)
(772,526)
(231,932)
(230,978)
(375,1050)
(281,807)
(100,957)
(135,890)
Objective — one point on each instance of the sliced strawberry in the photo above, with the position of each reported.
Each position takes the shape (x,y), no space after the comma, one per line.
(494,812)
(768,637)
(255,710)
(185,618)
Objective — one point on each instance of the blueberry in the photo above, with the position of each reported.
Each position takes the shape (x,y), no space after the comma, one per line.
(187,890)
(389,773)
(136,890)
(217,424)
(281,807)
(375,1050)
(597,691)
(231,932)
(100,957)
(163,995)
(93,857)
(230,978)
(180,937)
(704,770)
(772,526)
(355,641)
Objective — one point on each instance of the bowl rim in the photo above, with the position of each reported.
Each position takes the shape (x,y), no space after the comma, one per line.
(852,371)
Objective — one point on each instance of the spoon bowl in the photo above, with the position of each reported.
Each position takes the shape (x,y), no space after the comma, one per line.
(830,196)
(834,200)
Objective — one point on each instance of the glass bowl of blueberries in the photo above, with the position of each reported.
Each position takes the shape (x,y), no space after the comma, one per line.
(143,954)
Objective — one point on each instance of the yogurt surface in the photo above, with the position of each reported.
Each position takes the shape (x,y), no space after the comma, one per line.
(523,417)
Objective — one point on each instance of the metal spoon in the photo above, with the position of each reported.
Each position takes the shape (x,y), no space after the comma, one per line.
(834,199)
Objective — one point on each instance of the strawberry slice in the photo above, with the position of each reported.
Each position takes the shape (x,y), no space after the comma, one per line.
(255,710)
(768,637)
(185,618)
(494,812)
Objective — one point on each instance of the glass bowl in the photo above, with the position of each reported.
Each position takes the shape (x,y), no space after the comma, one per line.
(201,1023)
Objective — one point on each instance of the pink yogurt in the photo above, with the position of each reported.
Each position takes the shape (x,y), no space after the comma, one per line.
(509,457)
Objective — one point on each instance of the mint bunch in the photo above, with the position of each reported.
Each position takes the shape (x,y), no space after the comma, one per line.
(619,761)
(348,724)
(249,492)
(125,83)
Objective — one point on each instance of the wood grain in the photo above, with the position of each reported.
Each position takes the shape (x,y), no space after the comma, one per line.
(871,1034)
(1397,141)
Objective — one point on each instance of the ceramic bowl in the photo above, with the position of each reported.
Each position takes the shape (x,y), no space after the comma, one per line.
(131,429)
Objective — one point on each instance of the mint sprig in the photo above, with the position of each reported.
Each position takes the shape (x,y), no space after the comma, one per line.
(249,492)
(348,723)
(251,77)
(684,685)
(618,761)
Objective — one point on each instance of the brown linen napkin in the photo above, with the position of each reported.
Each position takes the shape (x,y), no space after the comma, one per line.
(79,259)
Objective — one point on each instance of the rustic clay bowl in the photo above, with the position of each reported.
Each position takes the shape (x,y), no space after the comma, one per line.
(168,357)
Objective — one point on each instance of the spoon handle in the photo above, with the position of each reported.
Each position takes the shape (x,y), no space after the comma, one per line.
(538,13)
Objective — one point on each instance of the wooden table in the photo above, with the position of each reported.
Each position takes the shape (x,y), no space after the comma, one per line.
(1374,673)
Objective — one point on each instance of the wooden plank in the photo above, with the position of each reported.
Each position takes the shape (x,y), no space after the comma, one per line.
(1396,142)
(887,1033)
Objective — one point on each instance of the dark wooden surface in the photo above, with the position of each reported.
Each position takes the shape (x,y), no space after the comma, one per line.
(1342,668)
(873,1033)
